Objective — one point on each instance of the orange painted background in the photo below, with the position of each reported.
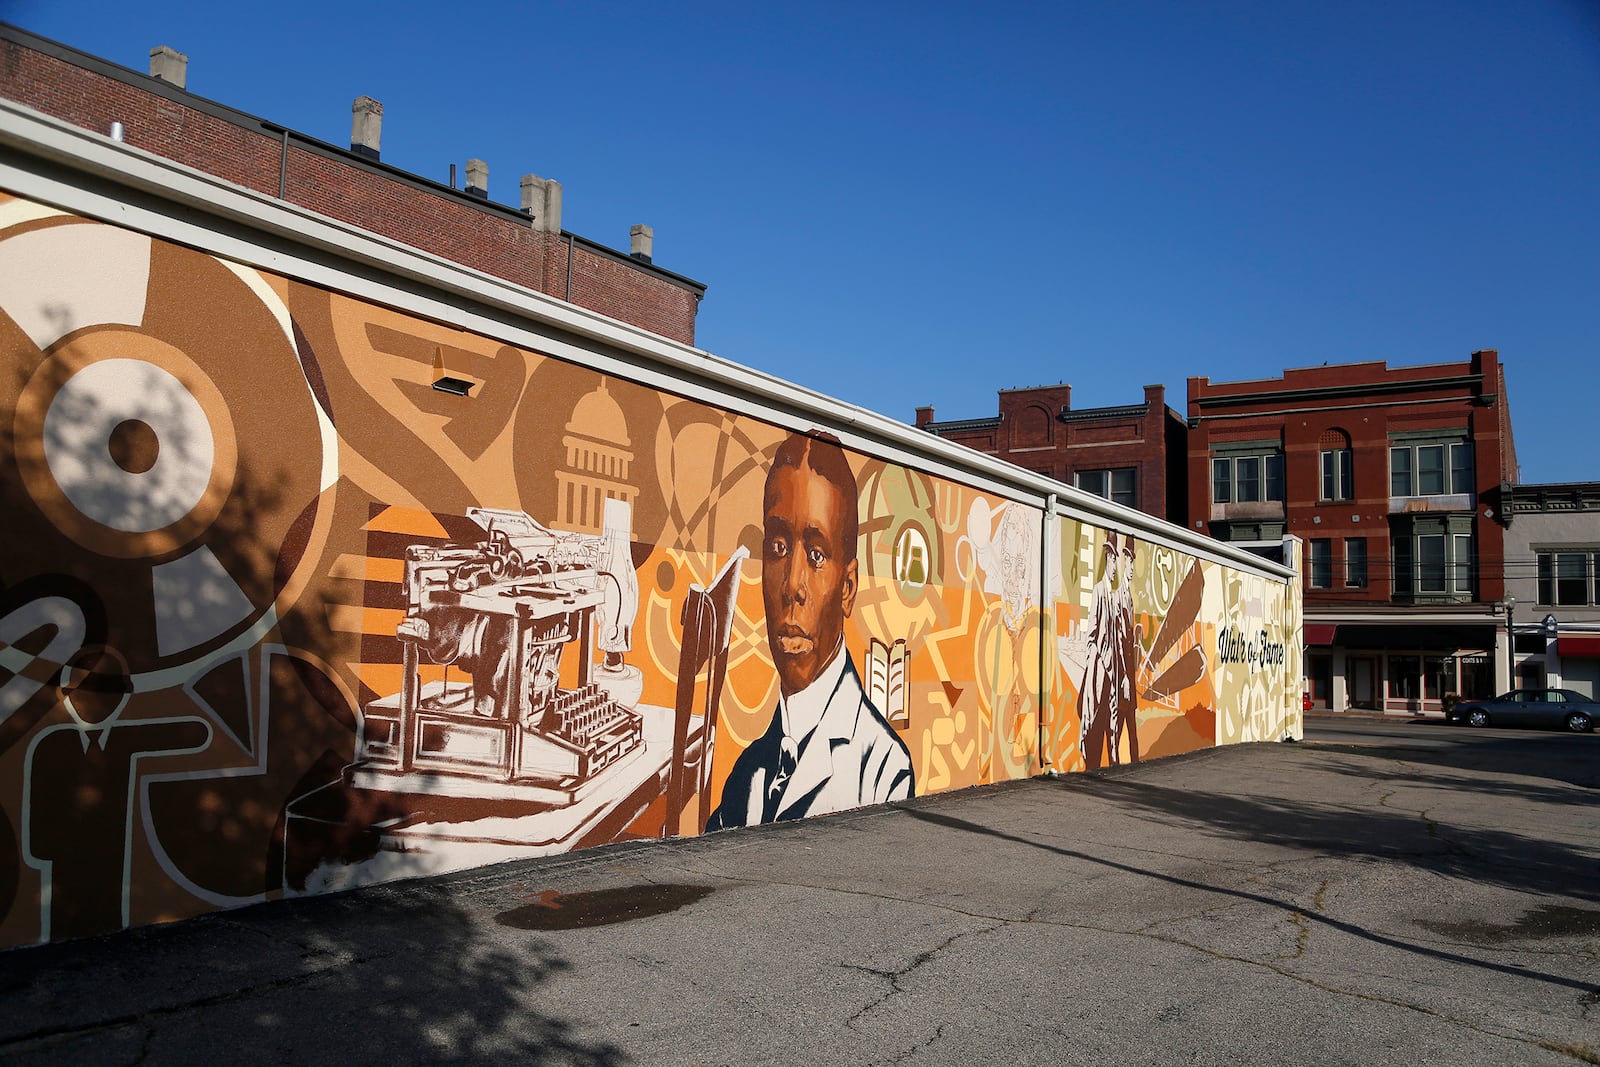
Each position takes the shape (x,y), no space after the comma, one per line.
(278,616)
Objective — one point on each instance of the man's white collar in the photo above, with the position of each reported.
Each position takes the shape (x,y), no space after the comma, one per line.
(802,711)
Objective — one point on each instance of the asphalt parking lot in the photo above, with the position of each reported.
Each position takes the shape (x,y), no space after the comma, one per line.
(1384,893)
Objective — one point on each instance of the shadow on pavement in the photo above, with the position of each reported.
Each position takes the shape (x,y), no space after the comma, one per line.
(373,976)
(1488,856)
(1572,760)
(1288,823)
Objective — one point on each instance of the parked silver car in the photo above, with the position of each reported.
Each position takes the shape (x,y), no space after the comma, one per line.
(1530,707)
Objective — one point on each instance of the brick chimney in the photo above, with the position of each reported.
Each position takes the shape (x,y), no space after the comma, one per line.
(641,242)
(170,65)
(366,126)
(478,178)
(924,415)
(541,199)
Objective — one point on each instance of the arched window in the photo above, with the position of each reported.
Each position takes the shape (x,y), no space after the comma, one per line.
(1338,465)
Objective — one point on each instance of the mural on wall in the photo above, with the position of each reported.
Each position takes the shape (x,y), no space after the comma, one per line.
(1149,670)
(828,748)
(1258,650)
(276,616)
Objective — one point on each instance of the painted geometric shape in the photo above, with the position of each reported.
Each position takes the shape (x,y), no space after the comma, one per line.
(195,600)
(175,416)
(62,278)
(224,693)
(124,443)
(406,521)
(130,398)
(65,621)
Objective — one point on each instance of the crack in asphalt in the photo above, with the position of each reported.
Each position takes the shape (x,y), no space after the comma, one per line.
(1583,1053)
(938,1035)
(917,961)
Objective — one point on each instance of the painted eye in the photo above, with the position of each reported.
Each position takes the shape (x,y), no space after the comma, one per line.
(777,548)
(815,557)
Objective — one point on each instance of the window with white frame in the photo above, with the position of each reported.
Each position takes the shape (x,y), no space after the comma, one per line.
(1247,478)
(1337,474)
(1119,485)
(1433,559)
(1338,462)
(1430,467)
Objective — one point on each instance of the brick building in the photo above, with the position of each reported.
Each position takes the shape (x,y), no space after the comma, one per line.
(1398,480)
(524,245)
(1132,454)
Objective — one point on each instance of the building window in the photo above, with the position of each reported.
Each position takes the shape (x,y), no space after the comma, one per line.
(1221,481)
(1321,563)
(1438,676)
(1404,573)
(1430,563)
(1274,466)
(1430,468)
(1569,578)
(1337,480)
(1355,562)
(1466,578)
(1247,479)
(1399,472)
(1405,677)
(1319,676)
(1477,677)
(1120,485)
(1433,558)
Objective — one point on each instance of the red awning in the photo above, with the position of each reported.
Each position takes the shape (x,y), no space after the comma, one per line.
(1576,646)
(1320,633)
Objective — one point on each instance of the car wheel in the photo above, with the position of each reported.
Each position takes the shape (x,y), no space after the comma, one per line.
(1477,717)
(1579,722)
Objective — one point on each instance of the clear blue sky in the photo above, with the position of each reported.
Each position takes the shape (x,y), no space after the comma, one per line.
(904,204)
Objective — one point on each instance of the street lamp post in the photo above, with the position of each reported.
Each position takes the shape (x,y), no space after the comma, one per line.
(1511,642)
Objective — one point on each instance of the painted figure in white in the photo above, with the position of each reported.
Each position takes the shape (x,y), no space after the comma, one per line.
(827,748)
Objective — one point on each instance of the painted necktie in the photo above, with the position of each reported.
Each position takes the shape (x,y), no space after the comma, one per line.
(788,756)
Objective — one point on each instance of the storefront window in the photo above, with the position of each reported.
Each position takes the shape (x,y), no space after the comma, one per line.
(1319,678)
(1477,677)
(1405,677)
(1438,676)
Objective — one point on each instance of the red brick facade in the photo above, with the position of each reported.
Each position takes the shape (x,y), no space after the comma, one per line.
(451,224)
(1037,429)
(1367,409)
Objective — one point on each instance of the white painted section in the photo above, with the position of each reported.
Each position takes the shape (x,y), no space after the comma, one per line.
(195,600)
(85,411)
(60,279)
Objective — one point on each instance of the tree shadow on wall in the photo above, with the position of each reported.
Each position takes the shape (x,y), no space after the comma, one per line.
(371,976)
(169,662)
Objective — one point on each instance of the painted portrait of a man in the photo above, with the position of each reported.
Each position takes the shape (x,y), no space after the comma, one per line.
(827,748)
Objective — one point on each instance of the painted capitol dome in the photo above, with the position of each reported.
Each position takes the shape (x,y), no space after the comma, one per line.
(598,463)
